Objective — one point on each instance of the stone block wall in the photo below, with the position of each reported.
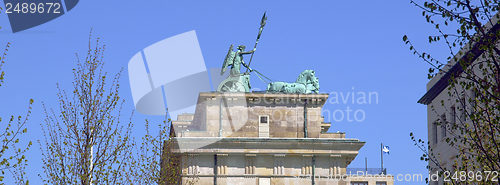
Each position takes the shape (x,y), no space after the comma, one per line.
(239,113)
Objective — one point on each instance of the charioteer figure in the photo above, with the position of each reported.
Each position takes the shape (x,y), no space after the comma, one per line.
(235,60)
(237,81)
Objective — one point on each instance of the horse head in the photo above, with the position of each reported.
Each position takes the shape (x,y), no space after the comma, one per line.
(312,80)
(305,77)
(315,84)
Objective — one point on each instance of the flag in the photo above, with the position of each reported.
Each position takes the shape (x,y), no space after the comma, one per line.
(385,149)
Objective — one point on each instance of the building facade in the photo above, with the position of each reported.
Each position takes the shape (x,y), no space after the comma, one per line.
(447,106)
(264,139)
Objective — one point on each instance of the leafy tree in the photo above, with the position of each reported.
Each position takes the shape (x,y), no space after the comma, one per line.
(85,141)
(12,155)
(464,27)
(156,163)
(152,157)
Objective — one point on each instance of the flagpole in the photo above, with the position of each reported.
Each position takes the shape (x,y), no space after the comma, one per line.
(366,165)
(381,158)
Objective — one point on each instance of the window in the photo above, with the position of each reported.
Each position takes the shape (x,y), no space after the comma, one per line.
(359,183)
(463,116)
(381,183)
(263,119)
(453,115)
(443,126)
(434,133)
(264,126)
(473,96)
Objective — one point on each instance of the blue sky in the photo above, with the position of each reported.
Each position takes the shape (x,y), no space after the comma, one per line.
(354,46)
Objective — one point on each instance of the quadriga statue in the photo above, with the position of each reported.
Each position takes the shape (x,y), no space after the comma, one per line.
(306,83)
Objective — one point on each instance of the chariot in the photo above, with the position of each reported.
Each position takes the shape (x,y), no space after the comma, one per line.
(307,82)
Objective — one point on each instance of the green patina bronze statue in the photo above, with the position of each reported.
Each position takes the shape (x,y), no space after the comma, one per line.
(307,82)
(236,81)
(235,60)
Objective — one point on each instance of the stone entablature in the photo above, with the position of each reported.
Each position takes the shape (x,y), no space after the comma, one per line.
(238,114)
(346,148)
